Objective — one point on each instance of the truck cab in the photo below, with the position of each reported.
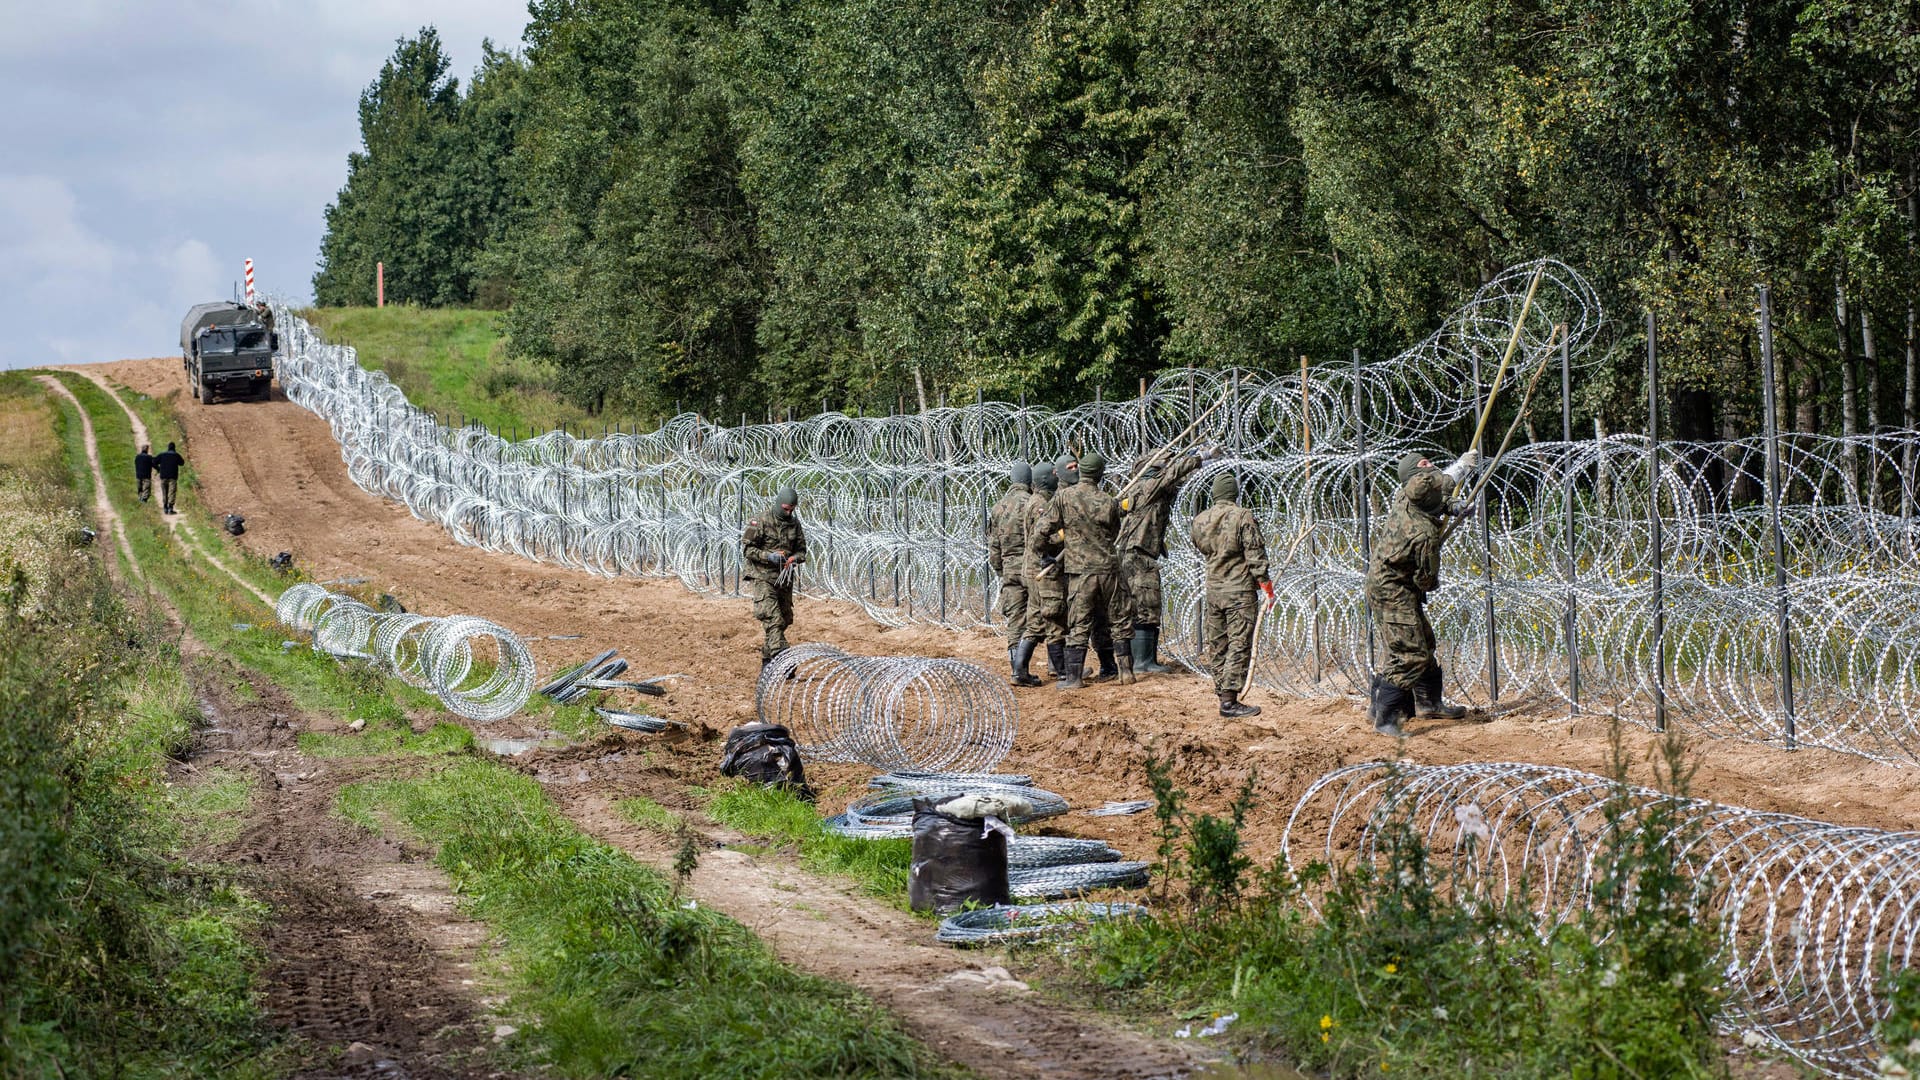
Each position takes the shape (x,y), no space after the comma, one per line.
(227,350)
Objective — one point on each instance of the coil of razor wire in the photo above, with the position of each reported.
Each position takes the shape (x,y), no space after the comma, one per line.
(910,713)
(1074,879)
(1553,598)
(889,812)
(1810,915)
(1037,852)
(436,654)
(1006,923)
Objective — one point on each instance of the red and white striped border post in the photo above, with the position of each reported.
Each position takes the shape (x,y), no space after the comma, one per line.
(249,281)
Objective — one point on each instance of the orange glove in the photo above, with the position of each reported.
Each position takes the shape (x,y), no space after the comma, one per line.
(1267,588)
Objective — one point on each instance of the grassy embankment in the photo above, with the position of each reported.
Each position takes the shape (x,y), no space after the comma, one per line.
(606,969)
(454,361)
(122,951)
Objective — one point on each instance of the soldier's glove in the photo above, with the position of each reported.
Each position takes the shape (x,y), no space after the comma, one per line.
(776,558)
(1461,508)
(1209,452)
(797,557)
(1266,587)
(1463,466)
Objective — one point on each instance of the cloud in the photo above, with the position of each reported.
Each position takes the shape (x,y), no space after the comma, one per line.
(153,147)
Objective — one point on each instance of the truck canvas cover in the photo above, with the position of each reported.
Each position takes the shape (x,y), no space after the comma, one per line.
(215,313)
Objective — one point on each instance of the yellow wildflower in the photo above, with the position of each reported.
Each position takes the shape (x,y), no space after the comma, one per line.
(1326,1022)
(1392,967)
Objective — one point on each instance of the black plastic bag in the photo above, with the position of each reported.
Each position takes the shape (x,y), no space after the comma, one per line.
(955,860)
(765,754)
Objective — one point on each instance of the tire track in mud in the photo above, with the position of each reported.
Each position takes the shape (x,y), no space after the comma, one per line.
(369,964)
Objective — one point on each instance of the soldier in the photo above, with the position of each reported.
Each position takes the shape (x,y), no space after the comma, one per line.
(1403,569)
(1143,541)
(1007,557)
(1046,585)
(1082,524)
(167,465)
(143,472)
(1227,535)
(774,546)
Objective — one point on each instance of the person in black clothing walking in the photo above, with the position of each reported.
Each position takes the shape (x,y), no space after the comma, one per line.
(143,472)
(168,466)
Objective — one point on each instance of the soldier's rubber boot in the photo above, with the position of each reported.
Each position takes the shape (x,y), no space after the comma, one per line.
(1232,707)
(1389,707)
(1108,669)
(1428,704)
(1022,655)
(1056,659)
(1146,651)
(1076,662)
(1124,662)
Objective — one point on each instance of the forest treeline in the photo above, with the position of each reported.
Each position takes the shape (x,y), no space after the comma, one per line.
(764,204)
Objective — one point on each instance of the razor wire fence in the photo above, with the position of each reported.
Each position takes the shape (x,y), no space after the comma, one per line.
(1764,588)
(1810,917)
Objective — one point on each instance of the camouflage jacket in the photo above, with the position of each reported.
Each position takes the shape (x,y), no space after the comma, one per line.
(1007,534)
(767,535)
(1082,521)
(1229,538)
(1149,506)
(1405,563)
(1035,515)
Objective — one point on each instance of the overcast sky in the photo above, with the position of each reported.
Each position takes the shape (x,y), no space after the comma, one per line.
(151,147)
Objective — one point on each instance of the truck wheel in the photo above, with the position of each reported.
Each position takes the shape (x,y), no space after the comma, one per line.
(202,391)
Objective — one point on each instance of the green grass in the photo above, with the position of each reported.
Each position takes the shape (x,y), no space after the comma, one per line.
(454,361)
(880,866)
(618,975)
(119,954)
(649,814)
(212,805)
(386,738)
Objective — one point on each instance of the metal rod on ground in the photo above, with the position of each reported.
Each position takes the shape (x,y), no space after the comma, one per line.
(1784,639)
(1653,521)
(1567,493)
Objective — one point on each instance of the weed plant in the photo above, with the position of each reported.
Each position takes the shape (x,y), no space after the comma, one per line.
(1401,968)
(623,977)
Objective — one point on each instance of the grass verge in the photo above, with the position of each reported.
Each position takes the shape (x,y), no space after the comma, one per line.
(119,955)
(622,975)
(775,815)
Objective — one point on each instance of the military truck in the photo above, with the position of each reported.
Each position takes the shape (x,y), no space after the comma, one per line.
(226,349)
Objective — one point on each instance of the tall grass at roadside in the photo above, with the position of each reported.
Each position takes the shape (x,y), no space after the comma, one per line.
(619,974)
(118,957)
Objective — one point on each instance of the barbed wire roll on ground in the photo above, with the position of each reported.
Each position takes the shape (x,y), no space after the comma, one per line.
(1810,914)
(431,653)
(910,713)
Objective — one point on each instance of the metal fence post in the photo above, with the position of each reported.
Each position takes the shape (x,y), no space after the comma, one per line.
(1573,565)
(1784,638)
(1366,505)
(1486,559)
(1653,522)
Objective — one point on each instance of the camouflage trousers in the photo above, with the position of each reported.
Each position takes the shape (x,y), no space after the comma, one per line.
(1047,611)
(1099,610)
(1230,620)
(1013,607)
(1142,573)
(773,606)
(1407,639)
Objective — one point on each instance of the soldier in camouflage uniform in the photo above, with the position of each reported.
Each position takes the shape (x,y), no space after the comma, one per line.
(1046,585)
(1007,557)
(1228,537)
(1403,568)
(1082,524)
(773,547)
(1143,541)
